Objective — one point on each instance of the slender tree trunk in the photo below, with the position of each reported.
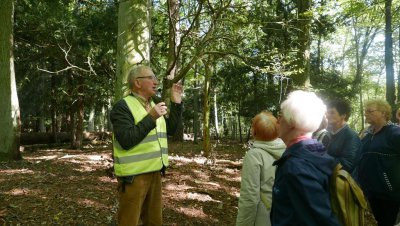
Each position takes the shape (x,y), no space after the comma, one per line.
(73,127)
(196,122)
(398,71)
(79,119)
(361,52)
(390,85)
(216,116)
(42,126)
(362,110)
(302,77)
(133,44)
(91,120)
(103,118)
(109,124)
(173,42)
(255,93)
(53,108)
(206,110)
(10,123)
(234,127)
(319,62)
(240,124)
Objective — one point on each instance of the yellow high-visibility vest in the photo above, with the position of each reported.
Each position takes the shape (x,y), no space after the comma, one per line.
(150,155)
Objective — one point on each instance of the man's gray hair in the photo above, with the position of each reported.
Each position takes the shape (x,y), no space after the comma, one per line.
(134,73)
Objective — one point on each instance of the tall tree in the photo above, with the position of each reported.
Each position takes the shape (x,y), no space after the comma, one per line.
(206,107)
(302,77)
(9,110)
(133,45)
(390,86)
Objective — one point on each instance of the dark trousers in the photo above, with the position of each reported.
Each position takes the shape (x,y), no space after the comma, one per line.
(385,211)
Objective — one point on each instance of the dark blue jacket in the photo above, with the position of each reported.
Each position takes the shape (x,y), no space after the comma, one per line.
(345,147)
(379,168)
(300,194)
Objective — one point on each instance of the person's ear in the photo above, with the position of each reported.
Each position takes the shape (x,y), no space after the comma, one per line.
(136,83)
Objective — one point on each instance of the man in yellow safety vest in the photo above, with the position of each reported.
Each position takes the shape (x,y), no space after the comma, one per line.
(140,147)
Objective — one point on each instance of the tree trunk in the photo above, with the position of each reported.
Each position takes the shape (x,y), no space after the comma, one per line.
(10,123)
(196,123)
(173,42)
(302,77)
(216,116)
(91,120)
(42,126)
(398,73)
(390,86)
(361,52)
(79,119)
(240,125)
(133,44)
(206,110)
(53,108)
(319,61)
(234,127)
(73,127)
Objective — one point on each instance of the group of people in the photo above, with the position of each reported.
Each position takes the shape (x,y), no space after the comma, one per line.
(286,172)
(285,175)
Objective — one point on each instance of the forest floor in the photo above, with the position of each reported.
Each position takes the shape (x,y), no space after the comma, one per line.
(69,187)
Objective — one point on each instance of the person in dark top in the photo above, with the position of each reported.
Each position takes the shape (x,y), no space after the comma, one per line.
(322,135)
(344,144)
(140,148)
(300,194)
(378,171)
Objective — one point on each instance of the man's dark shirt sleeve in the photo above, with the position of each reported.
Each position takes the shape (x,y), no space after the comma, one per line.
(128,134)
(175,116)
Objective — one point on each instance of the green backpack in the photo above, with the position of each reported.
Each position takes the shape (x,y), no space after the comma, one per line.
(348,201)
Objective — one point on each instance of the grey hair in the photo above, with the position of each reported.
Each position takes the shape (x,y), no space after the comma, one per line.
(304,110)
(136,72)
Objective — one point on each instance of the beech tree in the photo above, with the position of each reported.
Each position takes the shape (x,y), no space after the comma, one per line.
(133,45)
(9,110)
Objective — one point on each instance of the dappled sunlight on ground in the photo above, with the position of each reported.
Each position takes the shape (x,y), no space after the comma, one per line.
(16,171)
(22,191)
(91,203)
(193,212)
(70,187)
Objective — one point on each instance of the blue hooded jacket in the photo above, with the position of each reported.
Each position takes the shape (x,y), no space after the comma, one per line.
(301,191)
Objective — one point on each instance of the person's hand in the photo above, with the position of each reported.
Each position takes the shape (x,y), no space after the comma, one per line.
(158,110)
(176,93)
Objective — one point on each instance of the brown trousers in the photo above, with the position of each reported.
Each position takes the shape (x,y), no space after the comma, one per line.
(141,201)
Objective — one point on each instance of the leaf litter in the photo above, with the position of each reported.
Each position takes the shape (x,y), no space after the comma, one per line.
(70,187)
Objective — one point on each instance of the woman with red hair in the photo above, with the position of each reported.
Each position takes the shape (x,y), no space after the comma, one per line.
(258,173)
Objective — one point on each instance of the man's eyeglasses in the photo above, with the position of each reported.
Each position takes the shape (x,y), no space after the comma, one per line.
(369,111)
(152,77)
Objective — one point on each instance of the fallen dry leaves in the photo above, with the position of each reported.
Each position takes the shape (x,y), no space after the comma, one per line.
(69,187)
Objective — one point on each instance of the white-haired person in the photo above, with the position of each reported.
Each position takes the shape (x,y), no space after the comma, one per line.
(301,190)
(258,173)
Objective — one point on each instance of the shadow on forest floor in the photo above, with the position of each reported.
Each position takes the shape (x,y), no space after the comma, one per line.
(69,187)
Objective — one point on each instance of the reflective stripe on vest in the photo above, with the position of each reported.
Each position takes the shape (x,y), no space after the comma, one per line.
(150,155)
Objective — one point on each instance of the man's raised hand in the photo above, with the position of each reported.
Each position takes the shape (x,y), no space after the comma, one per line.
(176,93)
(158,110)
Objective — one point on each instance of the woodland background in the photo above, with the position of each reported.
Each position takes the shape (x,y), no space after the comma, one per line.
(63,63)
